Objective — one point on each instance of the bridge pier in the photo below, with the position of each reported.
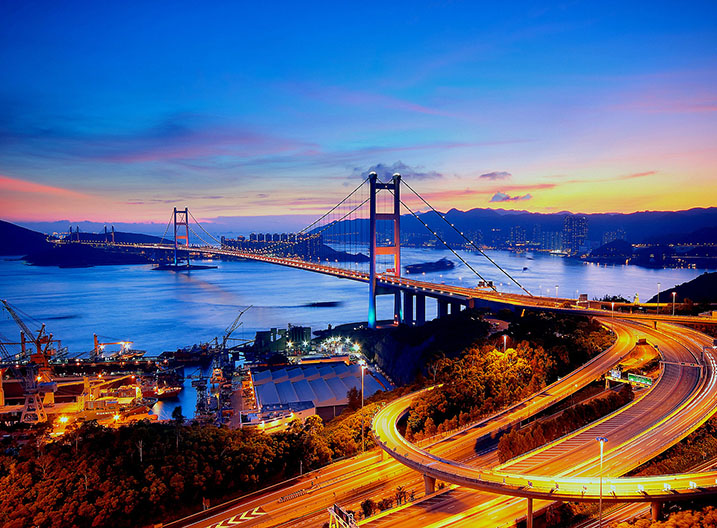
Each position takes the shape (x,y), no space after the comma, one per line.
(407,308)
(429,484)
(420,310)
(397,311)
(442,308)
(656,510)
(455,307)
(529,516)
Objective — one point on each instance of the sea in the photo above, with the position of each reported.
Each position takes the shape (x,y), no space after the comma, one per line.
(166,310)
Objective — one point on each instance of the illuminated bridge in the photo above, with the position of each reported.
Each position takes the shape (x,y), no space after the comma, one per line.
(365,226)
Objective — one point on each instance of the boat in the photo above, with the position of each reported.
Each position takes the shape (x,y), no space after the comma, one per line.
(428,267)
(166,393)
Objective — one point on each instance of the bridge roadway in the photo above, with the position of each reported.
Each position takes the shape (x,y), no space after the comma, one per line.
(568,469)
(445,292)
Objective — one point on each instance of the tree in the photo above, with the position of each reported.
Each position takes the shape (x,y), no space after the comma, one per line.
(354,397)
(368,507)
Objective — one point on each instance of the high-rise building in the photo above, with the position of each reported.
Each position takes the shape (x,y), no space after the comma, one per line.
(610,236)
(575,232)
(517,236)
(551,240)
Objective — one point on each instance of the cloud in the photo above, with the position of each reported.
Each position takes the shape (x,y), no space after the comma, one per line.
(496,175)
(502,197)
(636,175)
(386,171)
(15,185)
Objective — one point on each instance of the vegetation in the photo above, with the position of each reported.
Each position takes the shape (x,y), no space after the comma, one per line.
(522,440)
(485,379)
(707,517)
(130,476)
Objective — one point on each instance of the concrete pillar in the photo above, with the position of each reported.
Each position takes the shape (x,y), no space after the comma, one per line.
(442,308)
(529,516)
(429,484)
(397,312)
(656,510)
(420,310)
(455,307)
(407,308)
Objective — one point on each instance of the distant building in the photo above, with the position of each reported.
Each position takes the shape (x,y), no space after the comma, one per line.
(551,240)
(610,236)
(537,236)
(517,236)
(575,232)
(253,237)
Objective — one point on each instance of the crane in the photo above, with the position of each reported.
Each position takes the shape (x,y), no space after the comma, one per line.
(38,387)
(232,327)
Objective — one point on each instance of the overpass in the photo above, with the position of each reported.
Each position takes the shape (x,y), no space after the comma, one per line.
(569,469)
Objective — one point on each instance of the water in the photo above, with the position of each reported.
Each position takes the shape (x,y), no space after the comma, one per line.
(164,310)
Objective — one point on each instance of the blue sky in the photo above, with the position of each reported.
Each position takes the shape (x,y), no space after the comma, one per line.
(118,111)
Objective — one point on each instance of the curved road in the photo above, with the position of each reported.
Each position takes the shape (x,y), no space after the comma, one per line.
(568,468)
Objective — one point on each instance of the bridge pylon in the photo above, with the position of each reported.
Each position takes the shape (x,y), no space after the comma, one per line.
(181,219)
(393,249)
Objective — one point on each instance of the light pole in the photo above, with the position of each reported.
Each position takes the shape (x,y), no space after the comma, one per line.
(602,441)
(673,303)
(363,444)
(505,342)
(613,310)
(556,291)
(658,299)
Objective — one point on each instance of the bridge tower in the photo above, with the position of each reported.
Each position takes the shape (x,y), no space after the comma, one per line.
(394,249)
(181,219)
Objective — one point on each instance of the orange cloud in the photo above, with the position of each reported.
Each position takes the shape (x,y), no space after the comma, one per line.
(14,185)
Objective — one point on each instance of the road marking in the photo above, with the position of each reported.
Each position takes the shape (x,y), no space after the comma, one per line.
(248,515)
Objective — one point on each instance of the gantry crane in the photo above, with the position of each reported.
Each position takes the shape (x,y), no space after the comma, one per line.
(38,387)
(232,327)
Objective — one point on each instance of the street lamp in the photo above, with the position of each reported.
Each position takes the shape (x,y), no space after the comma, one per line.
(556,291)
(505,341)
(601,440)
(363,443)
(613,310)
(658,299)
(673,302)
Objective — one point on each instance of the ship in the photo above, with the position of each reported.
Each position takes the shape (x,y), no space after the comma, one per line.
(166,393)
(428,267)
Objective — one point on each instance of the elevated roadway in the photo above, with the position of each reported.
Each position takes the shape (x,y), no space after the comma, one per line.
(568,469)
(444,292)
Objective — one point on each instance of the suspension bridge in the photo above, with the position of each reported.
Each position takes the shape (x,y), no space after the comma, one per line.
(359,239)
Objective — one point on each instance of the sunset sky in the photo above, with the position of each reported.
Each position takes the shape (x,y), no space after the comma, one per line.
(118,111)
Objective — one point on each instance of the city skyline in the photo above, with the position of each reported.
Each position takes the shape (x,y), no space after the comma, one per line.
(118,114)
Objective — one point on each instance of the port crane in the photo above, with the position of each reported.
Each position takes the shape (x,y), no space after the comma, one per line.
(36,376)
(99,347)
(232,328)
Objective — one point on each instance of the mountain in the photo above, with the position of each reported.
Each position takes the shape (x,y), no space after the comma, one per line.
(16,240)
(701,289)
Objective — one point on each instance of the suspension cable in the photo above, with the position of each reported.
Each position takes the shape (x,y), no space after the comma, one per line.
(446,244)
(330,224)
(467,239)
(202,228)
(166,229)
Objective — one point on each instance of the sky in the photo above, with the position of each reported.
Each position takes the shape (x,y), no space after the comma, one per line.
(120,111)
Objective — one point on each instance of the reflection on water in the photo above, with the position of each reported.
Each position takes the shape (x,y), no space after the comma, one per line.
(166,310)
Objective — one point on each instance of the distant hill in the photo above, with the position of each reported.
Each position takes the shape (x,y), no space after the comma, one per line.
(702,289)
(704,235)
(122,237)
(617,250)
(16,240)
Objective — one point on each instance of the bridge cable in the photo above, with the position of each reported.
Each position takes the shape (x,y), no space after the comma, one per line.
(202,228)
(166,229)
(446,244)
(304,230)
(467,239)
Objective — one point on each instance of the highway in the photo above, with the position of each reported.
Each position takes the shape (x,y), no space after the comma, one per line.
(676,405)
(303,503)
